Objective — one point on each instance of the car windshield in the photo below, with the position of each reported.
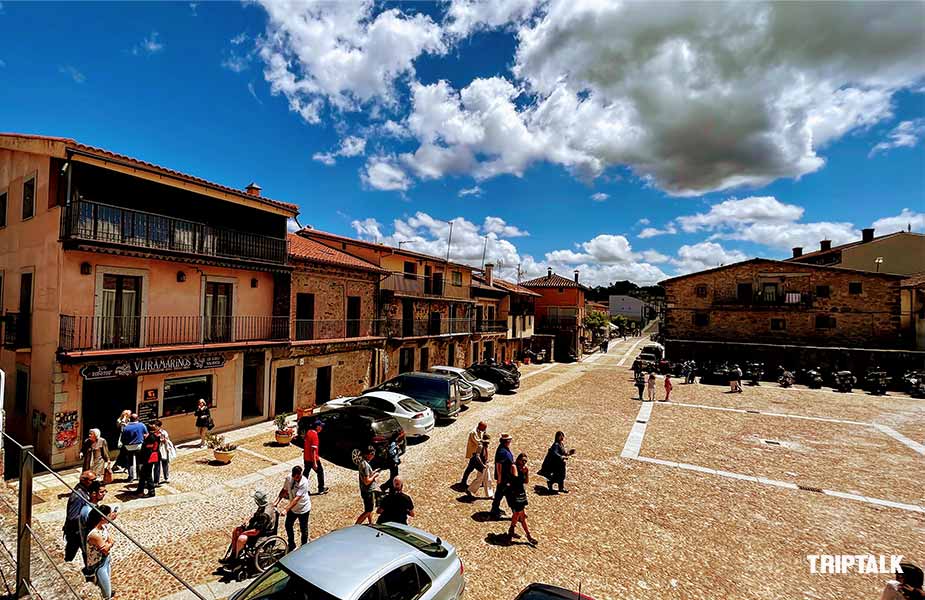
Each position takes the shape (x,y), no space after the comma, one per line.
(435,549)
(412,405)
(468,376)
(279,583)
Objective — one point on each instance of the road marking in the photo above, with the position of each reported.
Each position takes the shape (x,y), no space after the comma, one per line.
(915,446)
(627,353)
(538,371)
(634,441)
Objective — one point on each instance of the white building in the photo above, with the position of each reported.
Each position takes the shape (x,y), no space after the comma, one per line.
(633,309)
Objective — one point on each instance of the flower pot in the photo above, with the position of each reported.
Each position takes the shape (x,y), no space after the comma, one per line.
(223,456)
(283,438)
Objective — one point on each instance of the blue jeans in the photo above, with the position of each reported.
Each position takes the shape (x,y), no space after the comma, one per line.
(163,465)
(104,578)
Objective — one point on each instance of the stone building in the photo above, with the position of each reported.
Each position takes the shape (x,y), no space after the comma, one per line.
(901,252)
(504,316)
(560,309)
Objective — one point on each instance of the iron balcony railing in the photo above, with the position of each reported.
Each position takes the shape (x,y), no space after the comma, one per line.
(333,329)
(79,333)
(558,323)
(486,326)
(783,299)
(399,328)
(95,222)
(17,330)
(423,285)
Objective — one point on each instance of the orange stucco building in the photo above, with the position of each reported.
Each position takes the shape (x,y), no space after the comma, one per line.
(560,310)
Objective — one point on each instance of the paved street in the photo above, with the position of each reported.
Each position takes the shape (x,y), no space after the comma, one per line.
(679,500)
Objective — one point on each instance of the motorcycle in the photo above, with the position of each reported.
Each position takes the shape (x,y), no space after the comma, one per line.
(844,381)
(813,378)
(753,372)
(786,379)
(877,381)
(915,383)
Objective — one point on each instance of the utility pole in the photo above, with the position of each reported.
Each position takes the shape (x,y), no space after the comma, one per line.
(484,249)
(449,240)
(519,273)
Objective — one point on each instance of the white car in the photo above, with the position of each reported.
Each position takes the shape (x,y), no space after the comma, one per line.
(484,390)
(416,420)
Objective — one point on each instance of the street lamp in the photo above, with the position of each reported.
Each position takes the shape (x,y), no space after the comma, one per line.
(878,261)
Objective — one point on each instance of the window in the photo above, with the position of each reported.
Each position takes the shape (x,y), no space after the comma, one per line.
(411,270)
(407,582)
(823,291)
(451,355)
(457,278)
(825,322)
(353,316)
(560,290)
(22,389)
(701,319)
(744,292)
(425,358)
(28,198)
(3,197)
(406,360)
(701,291)
(217,312)
(854,287)
(181,395)
(278,582)
(120,311)
(778,324)
(769,293)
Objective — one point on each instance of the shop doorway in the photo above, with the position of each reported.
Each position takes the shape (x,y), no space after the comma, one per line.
(252,396)
(285,389)
(489,350)
(103,402)
(323,386)
(406,360)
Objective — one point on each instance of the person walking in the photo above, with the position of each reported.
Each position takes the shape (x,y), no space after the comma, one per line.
(97,493)
(737,371)
(124,419)
(299,508)
(99,545)
(518,477)
(640,383)
(396,506)
(392,455)
(148,456)
(906,586)
(553,468)
(311,454)
(204,422)
(95,453)
(367,478)
(473,444)
(503,461)
(668,386)
(133,436)
(651,381)
(75,503)
(483,479)
(167,450)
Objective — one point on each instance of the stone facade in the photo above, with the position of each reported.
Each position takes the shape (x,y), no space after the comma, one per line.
(787,303)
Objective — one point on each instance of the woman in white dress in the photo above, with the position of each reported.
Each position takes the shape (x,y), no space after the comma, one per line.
(484,478)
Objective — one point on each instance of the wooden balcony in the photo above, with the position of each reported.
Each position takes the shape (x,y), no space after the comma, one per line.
(93,222)
(407,284)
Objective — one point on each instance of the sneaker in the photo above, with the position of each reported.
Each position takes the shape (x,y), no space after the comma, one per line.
(563,491)
(533,541)
(513,535)
(323,490)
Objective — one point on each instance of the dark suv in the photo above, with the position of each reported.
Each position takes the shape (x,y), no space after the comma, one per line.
(442,393)
(354,428)
(506,380)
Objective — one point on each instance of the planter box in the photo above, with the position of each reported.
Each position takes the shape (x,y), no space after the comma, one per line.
(223,457)
(283,438)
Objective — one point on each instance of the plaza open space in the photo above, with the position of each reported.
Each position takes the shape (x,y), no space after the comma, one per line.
(712,495)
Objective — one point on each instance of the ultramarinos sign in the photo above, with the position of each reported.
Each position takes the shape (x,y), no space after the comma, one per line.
(144,366)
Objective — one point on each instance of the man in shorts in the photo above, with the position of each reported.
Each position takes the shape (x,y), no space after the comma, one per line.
(367,478)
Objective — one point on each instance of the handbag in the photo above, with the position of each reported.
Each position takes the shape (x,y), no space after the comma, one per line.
(210,425)
(89,572)
(171,451)
(107,476)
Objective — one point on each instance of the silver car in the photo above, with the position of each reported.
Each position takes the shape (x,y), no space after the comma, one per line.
(364,562)
(483,389)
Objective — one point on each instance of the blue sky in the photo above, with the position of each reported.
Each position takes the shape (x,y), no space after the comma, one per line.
(509,117)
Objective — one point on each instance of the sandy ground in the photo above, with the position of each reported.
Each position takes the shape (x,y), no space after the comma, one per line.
(628,529)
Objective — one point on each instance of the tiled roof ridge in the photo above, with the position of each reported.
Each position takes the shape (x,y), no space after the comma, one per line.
(305,249)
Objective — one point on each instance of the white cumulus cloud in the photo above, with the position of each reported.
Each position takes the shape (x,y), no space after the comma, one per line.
(705,255)
(475,191)
(500,227)
(349,146)
(381,173)
(904,220)
(599,196)
(905,135)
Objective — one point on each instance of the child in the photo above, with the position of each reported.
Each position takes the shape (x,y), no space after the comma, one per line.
(668,387)
(651,387)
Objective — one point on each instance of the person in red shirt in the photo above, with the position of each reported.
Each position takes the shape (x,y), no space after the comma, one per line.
(311,456)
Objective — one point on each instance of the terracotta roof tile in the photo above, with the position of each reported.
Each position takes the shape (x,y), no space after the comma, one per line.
(304,249)
(503,285)
(552,281)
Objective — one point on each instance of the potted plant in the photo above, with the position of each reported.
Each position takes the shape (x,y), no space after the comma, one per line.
(284,433)
(222,450)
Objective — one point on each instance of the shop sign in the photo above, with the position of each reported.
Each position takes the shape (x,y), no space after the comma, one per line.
(146,366)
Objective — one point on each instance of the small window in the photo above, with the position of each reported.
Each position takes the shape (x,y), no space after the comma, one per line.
(825,322)
(744,292)
(182,395)
(3,209)
(425,358)
(823,291)
(701,291)
(855,287)
(22,389)
(411,270)
(457,277)
(701,319)
(407,582)
(28,198)
(561,290)
(778,324)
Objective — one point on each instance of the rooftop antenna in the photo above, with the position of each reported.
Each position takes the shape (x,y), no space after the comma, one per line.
(449,240)
(484,249)
(519,273)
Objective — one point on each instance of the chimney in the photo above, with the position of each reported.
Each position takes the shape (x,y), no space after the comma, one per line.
(867,235)
(548,272)
(576,275)
(825,245)
(252,189)
(797,252)
(489,272)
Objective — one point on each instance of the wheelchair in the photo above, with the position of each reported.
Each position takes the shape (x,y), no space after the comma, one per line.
(259,554)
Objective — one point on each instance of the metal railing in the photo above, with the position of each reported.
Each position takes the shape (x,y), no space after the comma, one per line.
(399,328)
(785,298)
(422,285)
(331,329)
(104,223)
(558,323)
(492,326)
(110,333)
(17,330)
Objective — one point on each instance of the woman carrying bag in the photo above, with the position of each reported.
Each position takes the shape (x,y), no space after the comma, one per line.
(483,479)
(167,452)
(95,454)
(99,544)
(204,421)
(553,468)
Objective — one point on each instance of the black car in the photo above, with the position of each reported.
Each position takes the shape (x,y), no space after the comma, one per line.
(543,591)
(504,380)
(354,428)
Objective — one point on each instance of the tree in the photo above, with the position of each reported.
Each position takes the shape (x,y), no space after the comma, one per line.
(596,321)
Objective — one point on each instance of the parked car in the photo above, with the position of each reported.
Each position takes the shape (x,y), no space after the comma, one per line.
(416,419)
(655,349)
(483,389)
(385,561)
(352,428)
(504,380)
(442,393)
(543,591)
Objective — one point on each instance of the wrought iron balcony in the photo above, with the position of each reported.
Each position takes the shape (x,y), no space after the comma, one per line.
(781,300)
(486,326)
(418,285)
(332,329)
(402,328)
(80,333)
(105,224)
(558,323)
(17,330)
